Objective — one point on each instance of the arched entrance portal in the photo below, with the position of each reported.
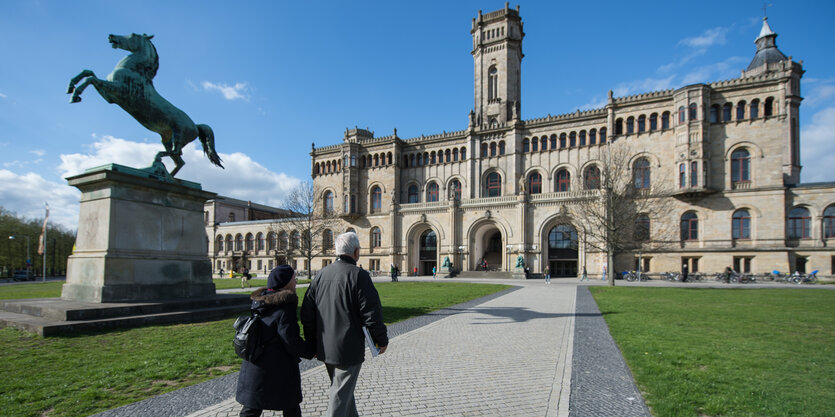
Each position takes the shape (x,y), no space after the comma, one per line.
(562,251)
(487,244)
(428,252)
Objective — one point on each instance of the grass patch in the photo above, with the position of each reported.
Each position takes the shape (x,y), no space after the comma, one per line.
(228,284)
(734,352)
(51,289)
(87,374)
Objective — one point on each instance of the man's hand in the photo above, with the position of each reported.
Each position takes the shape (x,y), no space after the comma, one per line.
(383,349)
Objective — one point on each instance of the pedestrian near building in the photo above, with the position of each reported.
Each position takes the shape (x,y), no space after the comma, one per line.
(547,274)
(585,276)
(684,272)
(273,382)
(434,271)
(339,302)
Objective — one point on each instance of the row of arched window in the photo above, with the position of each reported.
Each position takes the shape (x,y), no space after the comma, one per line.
(283,241)
(327,167)
(435,157)
(564,140)
(376,160)
(798,224)
(742,110)
(640,125)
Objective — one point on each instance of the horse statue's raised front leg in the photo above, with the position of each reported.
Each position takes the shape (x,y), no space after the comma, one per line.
(77,78)
(90,79)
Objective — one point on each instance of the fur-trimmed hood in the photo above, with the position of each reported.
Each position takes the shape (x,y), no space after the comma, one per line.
(277,298)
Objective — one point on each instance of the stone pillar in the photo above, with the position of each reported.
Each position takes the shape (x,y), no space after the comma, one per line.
(140,238)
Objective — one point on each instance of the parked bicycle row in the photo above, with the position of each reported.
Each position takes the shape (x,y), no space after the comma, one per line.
(729,276)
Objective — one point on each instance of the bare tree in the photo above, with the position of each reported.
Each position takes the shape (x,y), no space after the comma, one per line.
(308,230)
(630,212)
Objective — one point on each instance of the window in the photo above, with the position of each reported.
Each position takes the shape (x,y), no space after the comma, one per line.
(534,144)
(562,140)
(376,199)
(219,243)
(229,243)
(455,190)
(327,239)
(740,110)
(754,112)
(328,202)
(543,142)
(464,153)
(653,122)
(665,120)
(455,155)
(413,194)
(563,181)
(432,192)
(593,137)
(714,113)
(272,241)
(553,141)
(743,264)
(432,158)
(239,242)
(829,222)
(535,183)
(682,176)
(572,139)
(582,138)
(447,155)
(768,109)
(250,242)
(630,125)
(563,237)
(260,242)
(618,127)
(602,135)
(376,237)
(799,223)
(641,173)
(283,241)
(740,166)
(642,123)
(693,108)
(501,148)
(689,226)
(741,224)
(694,174)
(642,228)
(591,178)
(726,112)
(681,115)
(493,149)
(492,84)
(494,184)
(483,150)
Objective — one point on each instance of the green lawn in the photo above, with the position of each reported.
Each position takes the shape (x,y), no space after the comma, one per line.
(50,289)
(727,352)
(83,375)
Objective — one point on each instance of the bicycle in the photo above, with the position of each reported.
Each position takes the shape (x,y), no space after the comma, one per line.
(806,279)
(632,276)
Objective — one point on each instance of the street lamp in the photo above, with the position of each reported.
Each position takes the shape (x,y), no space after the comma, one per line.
(12,237)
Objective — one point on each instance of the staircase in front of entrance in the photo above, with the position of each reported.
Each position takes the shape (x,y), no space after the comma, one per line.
(485,274)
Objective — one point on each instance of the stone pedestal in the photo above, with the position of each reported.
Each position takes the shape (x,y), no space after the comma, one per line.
(141,237)
(519,273)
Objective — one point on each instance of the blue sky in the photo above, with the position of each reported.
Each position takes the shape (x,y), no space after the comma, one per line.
(271,77)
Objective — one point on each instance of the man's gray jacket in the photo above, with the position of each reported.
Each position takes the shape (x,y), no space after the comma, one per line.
(340,300)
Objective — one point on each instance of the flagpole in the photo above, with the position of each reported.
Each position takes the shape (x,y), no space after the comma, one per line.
(45,219)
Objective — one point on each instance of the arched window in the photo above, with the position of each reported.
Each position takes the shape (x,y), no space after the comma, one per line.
(316,168)
(740,166)
(641,173)
(432,158)
(376,199)
(250,242)
(741,224)
(295,240)
(642,227)
(283,241)
(740,110)
(602,135)
(591,178)
(464,153)
(727,109)
(693,108)
(630,125)
(376,160)
(768,109)
(799,223)
(562,140)
(239,242)
(682,175)
(593,137)
(494,185)
(405,161)
(455,154)
(260,242)
(714,113)
(390,159)
(229,243)
(653,122)
(483,150)
(272,241)
(327,239)
(618,127)
(582,138)
(694,173)
(493,149)
(535,183)
(563,182)
(376,237)
(642,123)
(572,139)
(681,114)
(447,155)
(563,237)
(689,226)
(455,190)
(665,120)
(553,141)
(328,202)
(543,143)
(413,196)
(534,144)
(307,241)
(432,192)
(501,147)
(412,160)
(526,145)
(426,158)
(492,84)
(219,243)
(829,222)
(754,112)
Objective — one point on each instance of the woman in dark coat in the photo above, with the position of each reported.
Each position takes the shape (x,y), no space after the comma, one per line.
(273,382)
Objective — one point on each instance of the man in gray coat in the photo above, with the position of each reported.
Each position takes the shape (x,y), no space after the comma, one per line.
(340,301)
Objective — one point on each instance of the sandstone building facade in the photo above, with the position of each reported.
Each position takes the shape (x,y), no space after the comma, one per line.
(506,187)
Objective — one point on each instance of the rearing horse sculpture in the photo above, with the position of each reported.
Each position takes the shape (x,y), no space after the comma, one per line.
(131,86)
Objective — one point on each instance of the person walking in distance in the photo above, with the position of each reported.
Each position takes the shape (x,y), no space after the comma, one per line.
(339,302)
(585,276)
(434,272)
(547,274)
(684,272)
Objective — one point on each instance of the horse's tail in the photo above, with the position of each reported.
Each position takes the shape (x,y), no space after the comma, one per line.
(207,138)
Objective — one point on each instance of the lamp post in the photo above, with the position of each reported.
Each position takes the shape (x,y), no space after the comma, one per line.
(12,237)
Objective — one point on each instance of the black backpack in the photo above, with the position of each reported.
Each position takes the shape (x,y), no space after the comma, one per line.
(247,342)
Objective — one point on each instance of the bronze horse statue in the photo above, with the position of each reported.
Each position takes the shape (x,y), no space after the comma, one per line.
(131,86)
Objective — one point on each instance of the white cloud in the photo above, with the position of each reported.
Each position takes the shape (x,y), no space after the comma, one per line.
(38,152)
(724,70)
(643,86)
(3,95)
(816,147)
(25,194)
(233,92)
(818,94)
(709,38)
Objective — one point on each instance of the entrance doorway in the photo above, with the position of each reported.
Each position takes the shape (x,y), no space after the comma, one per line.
(428,252)
(562,251)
